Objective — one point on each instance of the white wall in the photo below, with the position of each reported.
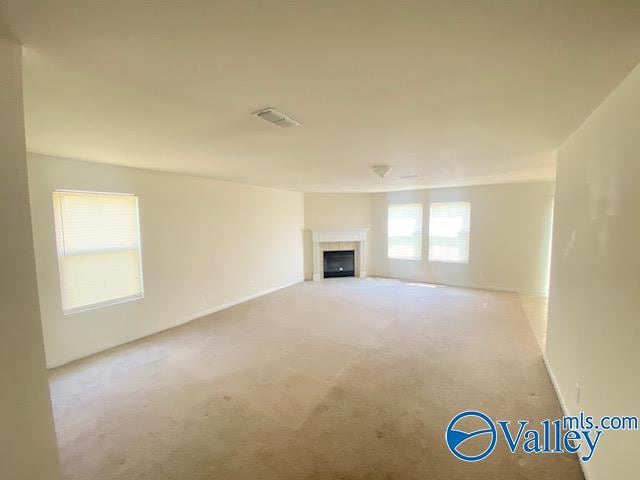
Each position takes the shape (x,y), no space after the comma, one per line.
(27,441)
(509,240)
(334,211)
(205,244)
(594,318)
(509,243)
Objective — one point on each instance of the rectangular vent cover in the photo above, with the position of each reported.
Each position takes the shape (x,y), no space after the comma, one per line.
(272,115)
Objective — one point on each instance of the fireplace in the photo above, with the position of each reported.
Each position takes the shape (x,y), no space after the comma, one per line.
(339,263)
(353,240)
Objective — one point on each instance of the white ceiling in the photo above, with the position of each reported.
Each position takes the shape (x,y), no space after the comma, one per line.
(456,92)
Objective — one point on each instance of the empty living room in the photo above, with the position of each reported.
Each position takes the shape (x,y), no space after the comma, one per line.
(320,240)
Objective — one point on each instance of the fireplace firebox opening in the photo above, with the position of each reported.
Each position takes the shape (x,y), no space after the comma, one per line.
(339,263)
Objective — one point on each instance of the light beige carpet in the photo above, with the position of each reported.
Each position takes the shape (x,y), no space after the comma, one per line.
(341,379)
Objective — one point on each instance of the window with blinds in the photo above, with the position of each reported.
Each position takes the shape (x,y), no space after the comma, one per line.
(449,225)
(405,231)
(98,240)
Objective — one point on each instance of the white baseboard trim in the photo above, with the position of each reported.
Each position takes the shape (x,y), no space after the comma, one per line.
(173,324)
(238,301)
(492,288)
(563,405)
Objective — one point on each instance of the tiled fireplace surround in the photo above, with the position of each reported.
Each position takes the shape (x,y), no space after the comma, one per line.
(344,239)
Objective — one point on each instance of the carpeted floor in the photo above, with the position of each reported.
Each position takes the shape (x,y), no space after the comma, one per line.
(341,379)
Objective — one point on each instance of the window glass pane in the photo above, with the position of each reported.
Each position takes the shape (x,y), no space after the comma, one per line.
(405,231)
(98,244)
(449,225)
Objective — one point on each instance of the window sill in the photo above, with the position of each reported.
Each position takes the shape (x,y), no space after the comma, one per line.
(106,303)
(459,262)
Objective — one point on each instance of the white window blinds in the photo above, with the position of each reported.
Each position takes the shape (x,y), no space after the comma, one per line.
(98,241)
(449,232)
(405,231)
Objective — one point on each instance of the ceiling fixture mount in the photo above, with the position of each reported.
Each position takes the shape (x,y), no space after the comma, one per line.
(381,170)
(275,117)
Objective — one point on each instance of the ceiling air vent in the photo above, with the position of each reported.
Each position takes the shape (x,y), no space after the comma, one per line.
(272,115)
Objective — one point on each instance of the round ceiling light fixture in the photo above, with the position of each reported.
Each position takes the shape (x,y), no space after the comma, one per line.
(381,170)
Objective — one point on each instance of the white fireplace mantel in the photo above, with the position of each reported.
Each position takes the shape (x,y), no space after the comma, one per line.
(341,235)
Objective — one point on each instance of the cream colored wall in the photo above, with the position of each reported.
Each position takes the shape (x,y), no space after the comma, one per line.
(28,448)
(509,240)
(594,304)
(334,211)
(205,244)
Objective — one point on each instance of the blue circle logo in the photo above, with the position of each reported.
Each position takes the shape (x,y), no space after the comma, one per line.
(455,438)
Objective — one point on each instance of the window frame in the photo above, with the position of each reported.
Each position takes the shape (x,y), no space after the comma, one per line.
(468,234)
(420,233)
(58,221)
